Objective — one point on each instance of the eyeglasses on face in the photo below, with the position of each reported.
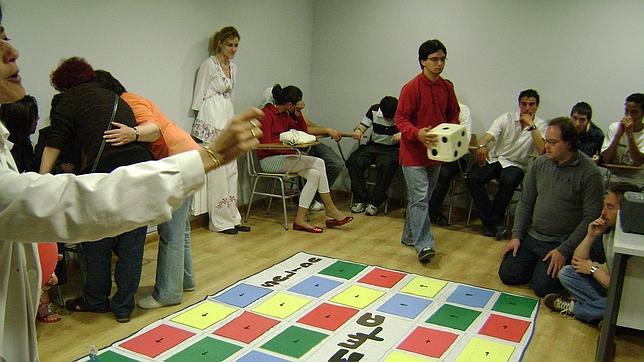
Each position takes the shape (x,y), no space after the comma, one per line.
(551,142)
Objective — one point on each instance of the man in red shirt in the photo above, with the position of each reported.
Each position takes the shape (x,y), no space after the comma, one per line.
(425,102)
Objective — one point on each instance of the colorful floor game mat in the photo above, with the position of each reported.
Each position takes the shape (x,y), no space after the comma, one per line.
(315,308)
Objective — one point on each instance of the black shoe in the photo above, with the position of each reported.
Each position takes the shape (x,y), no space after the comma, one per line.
(426,254)
(488,232)
(242,228)
(406,243)
(122,318)
(232,231)
(499,232)
(439,219)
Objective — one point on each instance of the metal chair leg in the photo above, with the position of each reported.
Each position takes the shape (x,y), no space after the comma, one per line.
(284,204)
(250,203)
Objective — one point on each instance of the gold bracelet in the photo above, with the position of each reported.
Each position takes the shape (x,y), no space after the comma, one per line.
(216,158)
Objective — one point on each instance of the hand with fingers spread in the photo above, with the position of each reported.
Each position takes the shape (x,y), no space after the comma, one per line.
(557,261)
(511,246)
(120,134)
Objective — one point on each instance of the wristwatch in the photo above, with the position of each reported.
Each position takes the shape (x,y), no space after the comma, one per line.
(531,128)
(480,146)
(593,269)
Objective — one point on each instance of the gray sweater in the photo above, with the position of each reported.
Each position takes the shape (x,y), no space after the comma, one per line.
(559,201)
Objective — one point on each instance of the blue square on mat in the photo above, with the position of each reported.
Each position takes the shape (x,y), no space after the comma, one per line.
(242,295)
(405,305)
(470,296)
(314,286)
(256,356)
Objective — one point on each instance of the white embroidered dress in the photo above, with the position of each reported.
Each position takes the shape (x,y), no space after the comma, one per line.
(213,100)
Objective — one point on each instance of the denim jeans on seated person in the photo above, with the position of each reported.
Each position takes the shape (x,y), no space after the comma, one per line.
(420,183)
(174,258)
(590,296)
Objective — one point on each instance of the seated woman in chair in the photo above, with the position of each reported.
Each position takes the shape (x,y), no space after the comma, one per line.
(278,119)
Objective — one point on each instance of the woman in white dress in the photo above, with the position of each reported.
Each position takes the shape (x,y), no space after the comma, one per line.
(213,104)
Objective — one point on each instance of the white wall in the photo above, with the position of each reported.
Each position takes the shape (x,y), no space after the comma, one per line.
(567,50)
(155,47)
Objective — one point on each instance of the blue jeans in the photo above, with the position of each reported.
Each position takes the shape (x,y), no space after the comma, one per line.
(420,183)
(174,260)
(334,164)
(528,267)
(98,264)
(590,296)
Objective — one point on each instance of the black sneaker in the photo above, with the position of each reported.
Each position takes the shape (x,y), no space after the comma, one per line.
(232,231)
(438,219)
(426,254)
(499,232)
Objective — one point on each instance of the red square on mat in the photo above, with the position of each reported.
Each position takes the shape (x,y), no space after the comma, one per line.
(247,327)
(328,316)
(429,342)
(382,278)
(502,327)
(157,340)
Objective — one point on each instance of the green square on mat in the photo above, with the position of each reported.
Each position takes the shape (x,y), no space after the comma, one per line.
(207,349)
(343,269)
(111,356)
(513,304)
(453,317)
(294,341)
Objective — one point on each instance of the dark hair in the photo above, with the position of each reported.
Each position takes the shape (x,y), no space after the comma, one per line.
(290,94)
(72,72)
(388,106)
(637,98)
(568,131)
(107,81)
(20,118)
(530,93)
(221,36)
(620,188)
(429,47)
(582,108)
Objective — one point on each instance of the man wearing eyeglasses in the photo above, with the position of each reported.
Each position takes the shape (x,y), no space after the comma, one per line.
(425,102)
(503,154)
(562,194)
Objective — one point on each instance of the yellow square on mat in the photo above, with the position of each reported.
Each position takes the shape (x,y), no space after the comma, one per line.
(400,356)
(204,315)
(281,305)
(479,349)
(424,287)
(358,296)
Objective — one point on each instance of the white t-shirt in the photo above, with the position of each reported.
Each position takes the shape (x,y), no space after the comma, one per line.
(623,157)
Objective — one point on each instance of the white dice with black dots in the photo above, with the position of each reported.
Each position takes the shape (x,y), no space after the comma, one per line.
(452,142)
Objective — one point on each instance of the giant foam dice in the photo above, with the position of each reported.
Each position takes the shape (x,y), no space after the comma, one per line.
(452,142)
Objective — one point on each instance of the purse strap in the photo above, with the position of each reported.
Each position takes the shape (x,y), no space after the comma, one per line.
(109,127)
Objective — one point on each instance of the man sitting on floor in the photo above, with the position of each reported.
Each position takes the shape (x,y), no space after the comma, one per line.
(584,279)
(562,193)
(516,135)
(381,150)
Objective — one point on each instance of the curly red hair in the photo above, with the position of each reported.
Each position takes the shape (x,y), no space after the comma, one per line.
(70,73)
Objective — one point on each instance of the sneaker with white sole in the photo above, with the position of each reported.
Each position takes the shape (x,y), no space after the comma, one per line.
(358,207)
(316,206)
(557,303)
(371,210)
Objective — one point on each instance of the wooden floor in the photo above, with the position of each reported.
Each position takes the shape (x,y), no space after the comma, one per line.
(220,260)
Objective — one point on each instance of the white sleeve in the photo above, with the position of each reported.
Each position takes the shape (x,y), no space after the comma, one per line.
(499,125)
(610,135)
(465,119)
(73,208)
(203,76)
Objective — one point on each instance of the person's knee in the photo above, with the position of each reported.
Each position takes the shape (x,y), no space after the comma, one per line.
(509,275)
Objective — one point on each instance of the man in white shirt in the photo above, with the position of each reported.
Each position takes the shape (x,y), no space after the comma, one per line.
(516,136)
(448,171)
(624,142)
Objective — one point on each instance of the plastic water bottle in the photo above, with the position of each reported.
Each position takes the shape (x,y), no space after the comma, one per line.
(93,354)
